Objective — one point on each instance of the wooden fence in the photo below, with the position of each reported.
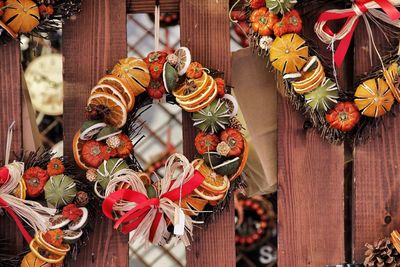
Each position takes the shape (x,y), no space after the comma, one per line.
(331,199)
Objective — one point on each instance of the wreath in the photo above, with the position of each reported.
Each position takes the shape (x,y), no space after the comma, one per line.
(46,204)
(310,80)
(154,209)
(34,17)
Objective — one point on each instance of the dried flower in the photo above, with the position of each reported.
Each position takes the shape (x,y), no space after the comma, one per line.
(223,148)
(113,141)
(91,175)
(265,42)
(81,199)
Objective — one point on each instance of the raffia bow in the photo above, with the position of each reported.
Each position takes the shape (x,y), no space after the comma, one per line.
(146,218)
(360,8)
(31,212)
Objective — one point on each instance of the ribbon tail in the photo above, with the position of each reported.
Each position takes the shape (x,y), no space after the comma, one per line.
(21,227)
(344,45)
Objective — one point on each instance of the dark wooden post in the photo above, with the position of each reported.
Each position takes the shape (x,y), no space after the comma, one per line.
(376,188)
(205,31)
(10,110)
(92,44)
(310,189)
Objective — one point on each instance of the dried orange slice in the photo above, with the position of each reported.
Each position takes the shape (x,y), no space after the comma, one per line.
(192,204)
(207,195)
(243,162)
(116,111)
(201,105)
(309,80)
(122,87)
(77,145)
(201,96)
(108,89)
(58,251)
(192,88)
(20,190)
(391,76)
(213,182)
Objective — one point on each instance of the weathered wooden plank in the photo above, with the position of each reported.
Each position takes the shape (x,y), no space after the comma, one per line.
(205,30)
(147,6)
(376,203)
(10,110)
(93,43)
(140,6)
(310,189)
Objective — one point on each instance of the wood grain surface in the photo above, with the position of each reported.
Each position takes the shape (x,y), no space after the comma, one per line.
(376,164)
(205,31)
(310,187)
(93,43)
(10,110)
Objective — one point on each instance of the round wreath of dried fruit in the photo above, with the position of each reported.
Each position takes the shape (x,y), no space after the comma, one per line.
(156,211)
(275,28)
(34,17)
(57,227)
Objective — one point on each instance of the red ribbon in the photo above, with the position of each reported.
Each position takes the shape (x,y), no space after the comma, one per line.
(390,10)
(10,211)
(131,219)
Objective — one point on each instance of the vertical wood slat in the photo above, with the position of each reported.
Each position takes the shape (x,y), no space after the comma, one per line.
(205,31)
(376,173)
(10,110)
(94,43)
(310,188)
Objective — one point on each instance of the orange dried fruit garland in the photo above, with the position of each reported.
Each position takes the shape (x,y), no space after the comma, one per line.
(34,17)
(275,30)
(49,201)
(104,144)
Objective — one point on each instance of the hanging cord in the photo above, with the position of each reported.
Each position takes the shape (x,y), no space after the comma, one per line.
(157,25)
(9,142)
(332,48)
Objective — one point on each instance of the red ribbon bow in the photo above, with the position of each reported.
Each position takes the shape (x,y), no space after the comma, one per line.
(132,219)
(390,10)
(4,176)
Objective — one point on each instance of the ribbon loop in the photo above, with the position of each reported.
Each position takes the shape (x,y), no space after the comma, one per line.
(345,34)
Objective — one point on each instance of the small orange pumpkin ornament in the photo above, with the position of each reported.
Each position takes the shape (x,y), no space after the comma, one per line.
(374,98)
(31,260)
(22,16)
(235,141)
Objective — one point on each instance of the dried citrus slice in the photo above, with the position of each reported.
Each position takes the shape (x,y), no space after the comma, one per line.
(134,72)
(192,87)
(116,112)
(20,190)
(192,204)
(243,162)
(288,53)
(77,145)
(309,80)
(122,87)
(374,98)
(213,182)
(201,105)
(108,89)
(391,75)
(183,60)
(199,96)
(207,195)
